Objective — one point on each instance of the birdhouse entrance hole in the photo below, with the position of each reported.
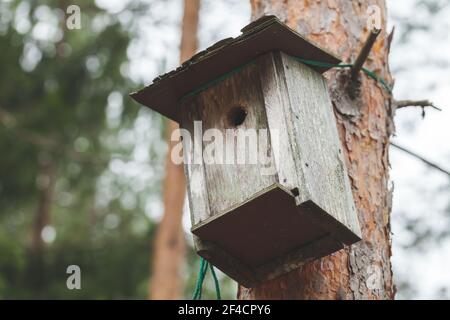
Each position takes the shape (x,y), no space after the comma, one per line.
(236,116)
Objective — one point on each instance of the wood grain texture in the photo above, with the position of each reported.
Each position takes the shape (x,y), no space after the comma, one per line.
(281,126)
(243,213)
(309,154)
(319,156)
(364,125)
(194,169)
(227,185)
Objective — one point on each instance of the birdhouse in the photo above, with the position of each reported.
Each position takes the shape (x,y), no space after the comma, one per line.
(267,184)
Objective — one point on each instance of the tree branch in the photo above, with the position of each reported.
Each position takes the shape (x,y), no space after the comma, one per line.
(364,53)
(415,155)
(415,103)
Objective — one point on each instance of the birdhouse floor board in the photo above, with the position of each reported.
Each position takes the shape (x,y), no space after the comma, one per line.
(270,233)
(263,228)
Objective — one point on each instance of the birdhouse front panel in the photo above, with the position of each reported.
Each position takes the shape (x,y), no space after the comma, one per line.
(231,120)
(251,98)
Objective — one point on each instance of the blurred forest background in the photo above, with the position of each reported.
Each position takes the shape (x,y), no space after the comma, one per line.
(81,164)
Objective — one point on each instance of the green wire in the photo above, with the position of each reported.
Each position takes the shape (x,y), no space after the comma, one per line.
(314,63)
(214,81)
(383,82)
(216,282)
(369,73)
(201,277)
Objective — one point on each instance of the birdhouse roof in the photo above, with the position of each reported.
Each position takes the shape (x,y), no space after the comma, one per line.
(259,37)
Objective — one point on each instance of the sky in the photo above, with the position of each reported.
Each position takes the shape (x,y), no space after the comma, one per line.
(417,192)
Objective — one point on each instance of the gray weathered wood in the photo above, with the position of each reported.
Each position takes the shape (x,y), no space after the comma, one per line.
(279,122)
(194,170)
(319,155)
(237,209)
(228,185)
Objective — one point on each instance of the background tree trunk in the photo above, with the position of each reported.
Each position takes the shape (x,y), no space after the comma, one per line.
(362,271)
(169,249)
(46,182)
(42,216)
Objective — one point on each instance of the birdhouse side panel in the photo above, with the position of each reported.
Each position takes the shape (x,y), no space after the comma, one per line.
(320,158)
(236,148)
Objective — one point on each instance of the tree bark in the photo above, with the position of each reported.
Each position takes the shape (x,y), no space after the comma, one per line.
(169,249)
(362,271)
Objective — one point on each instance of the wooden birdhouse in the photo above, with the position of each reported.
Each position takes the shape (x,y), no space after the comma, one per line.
(256,220)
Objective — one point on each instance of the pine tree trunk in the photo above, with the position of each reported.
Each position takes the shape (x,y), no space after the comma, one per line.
(362,271)
(169,249)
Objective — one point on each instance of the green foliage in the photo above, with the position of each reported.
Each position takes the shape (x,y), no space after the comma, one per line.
(77,152)
(420,227)
(57,90)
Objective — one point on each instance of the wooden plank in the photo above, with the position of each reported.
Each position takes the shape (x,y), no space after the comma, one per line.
(265,227)
(297,257)
(319,149)
(194,169)
(230,184)
(279,122)
(268,235)
(226,262)
(260,229)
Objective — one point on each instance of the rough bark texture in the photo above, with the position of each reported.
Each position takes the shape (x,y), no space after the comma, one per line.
(169,249)
(362,271)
